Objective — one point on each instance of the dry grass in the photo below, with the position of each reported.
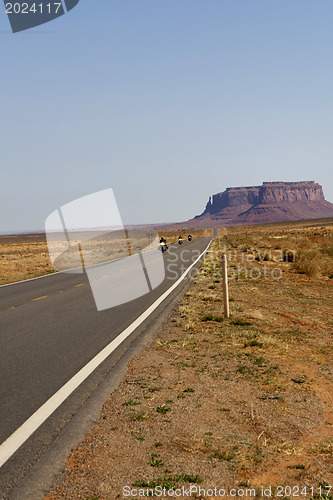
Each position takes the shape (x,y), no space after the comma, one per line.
(315,262)
(308,246)
(23,257)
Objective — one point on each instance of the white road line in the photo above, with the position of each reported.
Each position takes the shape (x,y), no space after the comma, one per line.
(13,442)
(37,278)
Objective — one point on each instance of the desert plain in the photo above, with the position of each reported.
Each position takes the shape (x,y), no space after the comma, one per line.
(244,403)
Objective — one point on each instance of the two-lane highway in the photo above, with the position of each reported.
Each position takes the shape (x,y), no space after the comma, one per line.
(50,330)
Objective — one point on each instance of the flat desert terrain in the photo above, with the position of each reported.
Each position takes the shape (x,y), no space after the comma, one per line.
(23,256)
(244,402)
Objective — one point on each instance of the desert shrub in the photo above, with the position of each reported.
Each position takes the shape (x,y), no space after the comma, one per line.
(307,262)
(327,250)
(240,322)
(288,255)
(314,262)
(263,256)
(327,267)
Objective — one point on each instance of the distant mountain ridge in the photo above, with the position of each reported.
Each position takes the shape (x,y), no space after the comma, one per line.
(270,202)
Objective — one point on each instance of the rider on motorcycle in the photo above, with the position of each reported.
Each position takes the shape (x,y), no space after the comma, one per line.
(163,244)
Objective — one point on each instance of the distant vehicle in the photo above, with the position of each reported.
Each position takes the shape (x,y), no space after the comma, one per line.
(189,237)
(180,240)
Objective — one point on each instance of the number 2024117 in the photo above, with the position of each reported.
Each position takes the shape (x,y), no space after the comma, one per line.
(35,8)
(296,491)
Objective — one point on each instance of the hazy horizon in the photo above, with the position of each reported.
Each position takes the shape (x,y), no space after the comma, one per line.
(42,230)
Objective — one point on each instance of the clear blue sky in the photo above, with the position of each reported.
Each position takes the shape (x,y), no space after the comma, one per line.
(167,102)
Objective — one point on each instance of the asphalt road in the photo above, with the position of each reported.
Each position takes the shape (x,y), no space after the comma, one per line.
(50,328)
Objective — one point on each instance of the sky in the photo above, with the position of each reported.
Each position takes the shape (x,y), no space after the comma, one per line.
(167,102)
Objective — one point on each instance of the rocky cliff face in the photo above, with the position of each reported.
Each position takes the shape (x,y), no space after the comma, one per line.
(233,197)
(271,202)
(274,192)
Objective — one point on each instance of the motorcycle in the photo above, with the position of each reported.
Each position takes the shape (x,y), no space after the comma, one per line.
(180,241)
(189,237)
(163,246)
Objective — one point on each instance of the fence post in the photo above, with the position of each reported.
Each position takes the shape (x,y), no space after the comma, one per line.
(225,285)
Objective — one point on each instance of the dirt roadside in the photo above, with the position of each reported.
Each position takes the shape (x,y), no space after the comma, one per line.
(243,403)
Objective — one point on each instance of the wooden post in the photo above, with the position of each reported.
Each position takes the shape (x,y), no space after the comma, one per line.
(225,285)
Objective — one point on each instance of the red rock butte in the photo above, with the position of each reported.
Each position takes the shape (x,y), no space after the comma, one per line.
(271,202)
